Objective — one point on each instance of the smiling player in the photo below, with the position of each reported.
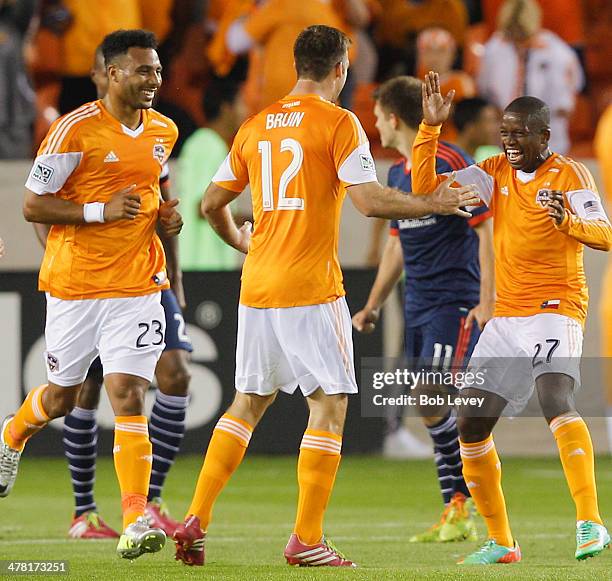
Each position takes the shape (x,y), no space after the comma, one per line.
(104,268)
(540,201)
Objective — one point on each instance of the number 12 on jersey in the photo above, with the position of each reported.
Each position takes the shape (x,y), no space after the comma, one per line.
(284,203)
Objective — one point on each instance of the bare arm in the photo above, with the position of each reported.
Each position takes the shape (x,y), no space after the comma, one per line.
(389,272)
(50,209)
(379,225)
(483,312)
(374,200)
(215,208)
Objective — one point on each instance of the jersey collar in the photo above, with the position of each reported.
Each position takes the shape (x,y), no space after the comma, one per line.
(133,133)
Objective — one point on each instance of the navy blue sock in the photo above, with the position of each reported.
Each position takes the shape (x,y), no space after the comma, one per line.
(447,457)
(80,438)
(166,430)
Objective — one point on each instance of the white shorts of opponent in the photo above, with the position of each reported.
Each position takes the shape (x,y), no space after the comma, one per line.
(127,334)
(512,352)
(311,346)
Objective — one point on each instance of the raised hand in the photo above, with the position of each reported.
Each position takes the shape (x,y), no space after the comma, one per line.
(435,107)
(123,205)
(449,200)
(170,221)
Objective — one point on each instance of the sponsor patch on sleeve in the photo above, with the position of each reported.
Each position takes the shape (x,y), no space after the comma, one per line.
(42,172)
(367,163)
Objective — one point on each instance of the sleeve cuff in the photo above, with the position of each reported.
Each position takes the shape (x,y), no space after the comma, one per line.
(565,225)
(429,129)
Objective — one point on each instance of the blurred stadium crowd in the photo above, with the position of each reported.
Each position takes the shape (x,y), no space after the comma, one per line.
(557,50)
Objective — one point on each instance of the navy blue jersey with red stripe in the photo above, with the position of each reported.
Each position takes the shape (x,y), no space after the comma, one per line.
(440,252)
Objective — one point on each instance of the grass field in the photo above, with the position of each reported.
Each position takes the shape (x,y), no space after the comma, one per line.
(376,506)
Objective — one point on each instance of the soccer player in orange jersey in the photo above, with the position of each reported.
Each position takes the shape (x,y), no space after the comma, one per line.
(167,418)
(104,267)
(300,156)
(545,210)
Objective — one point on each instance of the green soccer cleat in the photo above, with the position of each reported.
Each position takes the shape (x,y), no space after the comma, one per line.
(491,553)
(591,539)
(432,534)
(459,524)
(139,538)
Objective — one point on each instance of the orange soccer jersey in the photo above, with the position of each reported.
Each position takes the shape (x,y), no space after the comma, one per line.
(298,155)
(538,266)
(87,156)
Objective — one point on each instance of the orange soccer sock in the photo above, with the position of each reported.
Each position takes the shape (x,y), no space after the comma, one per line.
(482,473)
(317,467)
(225,452)
(576,452)
(132,453)
(29,419)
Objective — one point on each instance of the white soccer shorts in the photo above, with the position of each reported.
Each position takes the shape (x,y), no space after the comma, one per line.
(512,352)
(127,333)
(311,346)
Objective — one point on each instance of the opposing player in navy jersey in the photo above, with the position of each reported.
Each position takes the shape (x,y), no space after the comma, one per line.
(449,289)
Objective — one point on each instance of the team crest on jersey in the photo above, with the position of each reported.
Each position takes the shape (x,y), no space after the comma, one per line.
(52,362)
(42,173)
(543,197)
(159,152)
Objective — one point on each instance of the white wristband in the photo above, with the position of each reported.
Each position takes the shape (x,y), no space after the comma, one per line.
(93,212)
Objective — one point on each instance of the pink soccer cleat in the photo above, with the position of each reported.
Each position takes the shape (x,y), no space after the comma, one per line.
(321,554)
(91,526)
(189,540)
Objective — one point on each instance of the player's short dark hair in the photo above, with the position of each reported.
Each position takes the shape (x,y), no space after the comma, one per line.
(120,41)
(402,96)
(216,93)
(468,111)
(317,50)
(535,111)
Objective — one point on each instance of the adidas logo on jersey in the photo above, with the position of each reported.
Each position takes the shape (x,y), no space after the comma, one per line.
(504,190)
(111,157)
